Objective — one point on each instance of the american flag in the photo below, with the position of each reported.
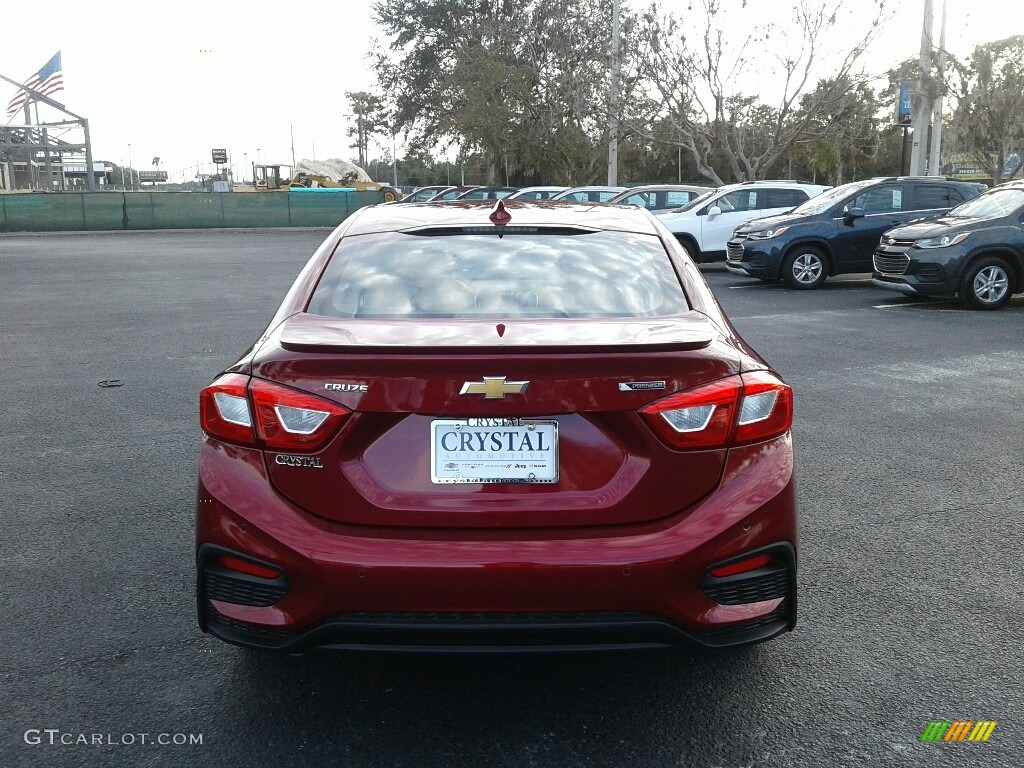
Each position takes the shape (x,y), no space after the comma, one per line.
(47,81)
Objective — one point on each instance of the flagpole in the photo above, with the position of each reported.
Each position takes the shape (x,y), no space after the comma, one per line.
(90,180)
(29,176)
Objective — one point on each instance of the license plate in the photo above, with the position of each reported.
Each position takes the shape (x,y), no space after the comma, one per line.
(501,450)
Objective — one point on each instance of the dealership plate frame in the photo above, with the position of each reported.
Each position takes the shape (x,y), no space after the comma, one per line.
(549,476)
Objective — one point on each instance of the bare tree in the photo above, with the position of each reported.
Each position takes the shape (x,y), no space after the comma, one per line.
(698,82)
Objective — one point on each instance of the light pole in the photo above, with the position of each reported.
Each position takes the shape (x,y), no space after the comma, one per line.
(258,156)
(613,102)
(394,158)
(245,157)
(130,178)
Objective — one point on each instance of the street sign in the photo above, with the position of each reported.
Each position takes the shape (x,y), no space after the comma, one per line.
(220,156)
(903,106)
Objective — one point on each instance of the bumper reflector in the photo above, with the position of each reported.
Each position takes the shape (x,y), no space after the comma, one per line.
(750,564)
(243,566)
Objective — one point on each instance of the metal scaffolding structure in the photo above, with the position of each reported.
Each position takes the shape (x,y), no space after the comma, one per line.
(33,156)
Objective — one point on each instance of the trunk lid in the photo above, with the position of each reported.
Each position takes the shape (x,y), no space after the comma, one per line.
(586,377)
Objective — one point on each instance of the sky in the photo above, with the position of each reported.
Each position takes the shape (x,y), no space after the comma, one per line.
(194,76)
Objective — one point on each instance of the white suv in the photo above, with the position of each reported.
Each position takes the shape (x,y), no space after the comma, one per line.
(705,225)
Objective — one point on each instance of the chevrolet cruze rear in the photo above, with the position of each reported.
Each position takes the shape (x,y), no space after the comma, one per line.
(473,426)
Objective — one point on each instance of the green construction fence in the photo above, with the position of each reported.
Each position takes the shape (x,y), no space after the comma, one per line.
(103,211)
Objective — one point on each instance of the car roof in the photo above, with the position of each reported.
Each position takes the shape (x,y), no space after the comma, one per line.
(595,189)
(670,187)
(695,188)
(475,213)
(781,183)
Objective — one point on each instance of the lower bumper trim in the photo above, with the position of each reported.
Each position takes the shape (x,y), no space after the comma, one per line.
(898,287)
(494,632)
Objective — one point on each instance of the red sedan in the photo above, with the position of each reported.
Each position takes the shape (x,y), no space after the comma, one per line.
(482,426)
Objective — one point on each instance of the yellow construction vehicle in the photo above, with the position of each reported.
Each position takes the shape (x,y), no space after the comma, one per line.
(275,178)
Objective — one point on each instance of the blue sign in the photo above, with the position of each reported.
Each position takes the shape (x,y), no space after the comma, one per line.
(903,107)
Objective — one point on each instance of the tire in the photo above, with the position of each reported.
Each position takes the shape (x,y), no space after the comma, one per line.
(691,247)
(987,283)
(805,268)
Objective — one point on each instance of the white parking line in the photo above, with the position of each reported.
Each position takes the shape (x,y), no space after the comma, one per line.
(914,304)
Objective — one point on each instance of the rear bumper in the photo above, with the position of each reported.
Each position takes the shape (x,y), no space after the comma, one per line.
(356,587)
(482,633)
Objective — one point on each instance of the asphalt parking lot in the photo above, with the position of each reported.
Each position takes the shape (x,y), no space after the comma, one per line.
(908,429)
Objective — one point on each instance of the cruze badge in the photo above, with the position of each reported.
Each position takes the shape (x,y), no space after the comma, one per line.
(346,387)
(494,387)
(298,461)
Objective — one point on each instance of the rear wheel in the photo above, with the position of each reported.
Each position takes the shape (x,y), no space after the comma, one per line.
(804,268)
(986,284)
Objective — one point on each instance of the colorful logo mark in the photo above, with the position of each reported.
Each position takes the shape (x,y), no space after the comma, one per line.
(958,730)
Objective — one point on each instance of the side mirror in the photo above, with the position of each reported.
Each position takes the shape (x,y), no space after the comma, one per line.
(853,213)
(714,211)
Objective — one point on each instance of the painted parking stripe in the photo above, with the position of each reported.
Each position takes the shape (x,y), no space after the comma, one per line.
(914,304)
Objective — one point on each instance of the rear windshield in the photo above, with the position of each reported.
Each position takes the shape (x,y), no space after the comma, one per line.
(525,273)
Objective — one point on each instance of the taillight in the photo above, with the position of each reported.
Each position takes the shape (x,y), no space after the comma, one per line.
(267,415)
(739,409)
(767,409)
(697,418)
(289,420)
(224,410)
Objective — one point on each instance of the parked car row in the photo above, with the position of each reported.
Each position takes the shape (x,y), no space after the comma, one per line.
(924,236)
(439,193)
(653,197)
(920,236)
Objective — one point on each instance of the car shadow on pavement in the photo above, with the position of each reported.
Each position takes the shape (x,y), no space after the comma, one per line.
(428,709)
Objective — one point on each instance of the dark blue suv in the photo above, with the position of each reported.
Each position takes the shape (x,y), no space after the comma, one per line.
(837,231)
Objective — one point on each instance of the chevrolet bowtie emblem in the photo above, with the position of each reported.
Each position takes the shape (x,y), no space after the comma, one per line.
(494,387)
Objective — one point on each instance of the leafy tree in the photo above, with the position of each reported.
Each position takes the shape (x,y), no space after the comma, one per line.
(989,118)
(369,118)
(842,139)
(524,82)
